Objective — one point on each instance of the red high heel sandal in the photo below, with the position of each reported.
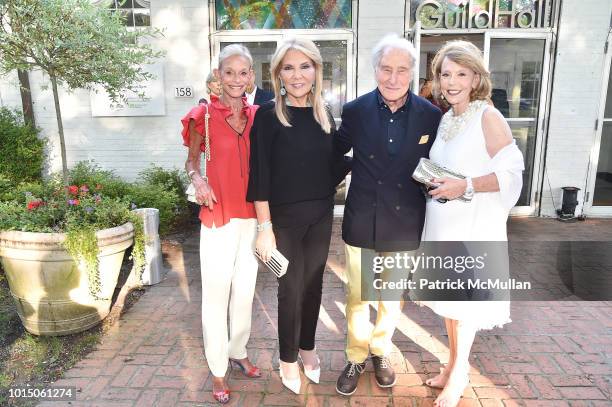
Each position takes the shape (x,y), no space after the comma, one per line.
(253,372)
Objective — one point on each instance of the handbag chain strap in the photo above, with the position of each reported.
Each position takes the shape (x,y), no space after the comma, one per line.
(206,144)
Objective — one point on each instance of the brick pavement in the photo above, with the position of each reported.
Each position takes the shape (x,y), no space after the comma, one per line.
(553,354)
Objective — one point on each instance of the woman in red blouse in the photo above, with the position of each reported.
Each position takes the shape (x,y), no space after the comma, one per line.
(228,266)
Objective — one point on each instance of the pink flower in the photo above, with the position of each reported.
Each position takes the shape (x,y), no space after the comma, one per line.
(73,190)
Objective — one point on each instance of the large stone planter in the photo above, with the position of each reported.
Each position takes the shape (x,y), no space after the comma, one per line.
(51,289)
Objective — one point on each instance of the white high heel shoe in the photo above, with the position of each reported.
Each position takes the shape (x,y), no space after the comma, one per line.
(292,384)
(315,374)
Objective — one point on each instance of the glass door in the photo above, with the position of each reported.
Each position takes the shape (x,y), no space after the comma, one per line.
(336,49)
(261,50)
(599,185)
(519,63)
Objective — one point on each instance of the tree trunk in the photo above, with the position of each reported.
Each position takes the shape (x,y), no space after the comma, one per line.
(60,128)
(26,97)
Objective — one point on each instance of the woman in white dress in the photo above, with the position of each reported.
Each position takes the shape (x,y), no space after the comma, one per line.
(475,140)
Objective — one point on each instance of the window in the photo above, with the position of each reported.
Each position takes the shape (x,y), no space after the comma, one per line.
(136,13)
(282,14)
(335,58)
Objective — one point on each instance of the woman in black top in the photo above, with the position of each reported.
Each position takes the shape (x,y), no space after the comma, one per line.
(292,184)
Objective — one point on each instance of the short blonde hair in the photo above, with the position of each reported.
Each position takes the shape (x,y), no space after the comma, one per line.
(308,48)
(467,55)
(211,78)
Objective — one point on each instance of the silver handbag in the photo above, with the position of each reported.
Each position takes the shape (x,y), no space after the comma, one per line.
(191,191)
(427,170)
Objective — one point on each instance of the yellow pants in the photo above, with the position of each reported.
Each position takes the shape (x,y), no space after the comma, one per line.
(362,338)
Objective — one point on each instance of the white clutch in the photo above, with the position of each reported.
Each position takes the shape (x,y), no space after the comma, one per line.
(190,193)
(277,264)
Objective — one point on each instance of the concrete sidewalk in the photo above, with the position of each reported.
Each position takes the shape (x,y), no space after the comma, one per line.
(553,353)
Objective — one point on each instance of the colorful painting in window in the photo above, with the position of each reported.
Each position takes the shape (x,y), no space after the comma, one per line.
(274,14)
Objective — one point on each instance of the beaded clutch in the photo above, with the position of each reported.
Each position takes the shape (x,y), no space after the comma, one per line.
(427,170)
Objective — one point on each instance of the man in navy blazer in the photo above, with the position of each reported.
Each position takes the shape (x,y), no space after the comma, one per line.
(389,130)
(255,95)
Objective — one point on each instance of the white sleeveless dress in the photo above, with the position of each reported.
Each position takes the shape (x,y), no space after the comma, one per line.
(482,219)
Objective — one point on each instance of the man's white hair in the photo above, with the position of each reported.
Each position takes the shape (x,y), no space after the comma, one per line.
(392,41)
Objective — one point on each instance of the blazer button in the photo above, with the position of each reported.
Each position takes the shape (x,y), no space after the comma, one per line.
(380,182)
(371,156)
(374,204)
(399,186)
(397,208)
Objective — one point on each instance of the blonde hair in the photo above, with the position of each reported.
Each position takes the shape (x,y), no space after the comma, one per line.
(211,78)
(308,48)
(469,56)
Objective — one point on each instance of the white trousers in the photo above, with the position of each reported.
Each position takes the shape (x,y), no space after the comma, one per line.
(229,273)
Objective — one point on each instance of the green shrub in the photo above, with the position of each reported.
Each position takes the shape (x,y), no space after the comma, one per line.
(156,196)
(172,203)
(23,191)
(22,152)
(173,180)
(90,174)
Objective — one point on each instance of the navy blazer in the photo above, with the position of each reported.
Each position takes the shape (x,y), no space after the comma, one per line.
(262,96)
(385,207)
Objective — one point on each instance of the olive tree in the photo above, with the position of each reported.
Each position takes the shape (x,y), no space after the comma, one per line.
(78,44)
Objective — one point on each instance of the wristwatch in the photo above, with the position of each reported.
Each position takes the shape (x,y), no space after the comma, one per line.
(264,225)
(469,189)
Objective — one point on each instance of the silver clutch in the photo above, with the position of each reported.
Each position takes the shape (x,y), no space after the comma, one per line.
(427,170)
(277,264)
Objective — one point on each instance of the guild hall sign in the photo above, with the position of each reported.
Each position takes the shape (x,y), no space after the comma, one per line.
(481,14)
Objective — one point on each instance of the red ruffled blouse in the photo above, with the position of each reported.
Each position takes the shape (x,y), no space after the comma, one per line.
(228,168)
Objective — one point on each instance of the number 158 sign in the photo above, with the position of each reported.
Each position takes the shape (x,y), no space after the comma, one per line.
(183,92)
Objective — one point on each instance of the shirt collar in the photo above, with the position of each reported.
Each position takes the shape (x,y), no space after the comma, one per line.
(382,103)
(226,110)
(252,93)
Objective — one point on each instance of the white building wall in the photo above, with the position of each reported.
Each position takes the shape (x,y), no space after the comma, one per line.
(129,144)
(376,19)
(9,91)
(583,30)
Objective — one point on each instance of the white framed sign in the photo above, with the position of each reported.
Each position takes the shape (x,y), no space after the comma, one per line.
(148,99)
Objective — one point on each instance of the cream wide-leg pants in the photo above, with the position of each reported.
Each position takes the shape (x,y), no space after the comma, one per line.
(229,272)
